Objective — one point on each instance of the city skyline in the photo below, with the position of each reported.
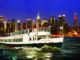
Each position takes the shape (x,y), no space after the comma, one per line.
(38,16)
(22,10)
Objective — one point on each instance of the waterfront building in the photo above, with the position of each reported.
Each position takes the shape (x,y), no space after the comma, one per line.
(1,26)
(8,27)
(53,25)
(65,28)
(18,25)
(53,22)
(60,20)
(37,20)
(39,24)
(4,22)
(29,24)
(23,25)
(75,20)
(63,19)
(13,25)
(33,24)
(44,23)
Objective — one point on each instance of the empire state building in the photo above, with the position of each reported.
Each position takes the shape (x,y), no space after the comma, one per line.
(75,20)
(37,20)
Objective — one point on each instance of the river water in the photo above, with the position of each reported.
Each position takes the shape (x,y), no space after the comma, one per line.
(32,53)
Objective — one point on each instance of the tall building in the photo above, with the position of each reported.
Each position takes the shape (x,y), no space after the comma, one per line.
(37,20)
(18,25)
(75,20)
(4,22)
(33,24)
(1,26)
(60,20)
(53,25)
(63,19)
(23,25)
(8,27)
(49,22)
(44,23)
(29,24)
(13,25)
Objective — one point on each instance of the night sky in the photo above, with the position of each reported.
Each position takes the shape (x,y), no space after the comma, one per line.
(24,9)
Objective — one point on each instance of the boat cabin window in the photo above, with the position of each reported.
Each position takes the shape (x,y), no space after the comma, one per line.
(26,31)
(39,38)
(41,29)
(23,32)
(8,40)
(44,29)
(21,40)
(17,40)
(12,40)
(5,40)
(30,30)
(19,32)
(30,39)
(13,34)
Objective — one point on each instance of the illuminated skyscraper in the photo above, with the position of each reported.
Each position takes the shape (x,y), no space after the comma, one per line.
(13,25)
(18,25)
(1,25)
(37,20)
(8,27)
(29,24)
(63,19)
(60,20)
(23,25)
(53,22)
(75,20)
(44,23)
(53,25)
(4,22)
(33,24)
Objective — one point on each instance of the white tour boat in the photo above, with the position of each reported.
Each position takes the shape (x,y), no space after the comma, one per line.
(31,37)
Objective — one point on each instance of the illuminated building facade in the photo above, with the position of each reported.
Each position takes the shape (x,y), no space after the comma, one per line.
(13,25)
(4,22)
(60,20)
(63,19)
(39,24)
(75,20)
(37,20)
(33,24)
(53,22)
(18,25)
(23,25)
(8,30)
(44,23)
(29,24)
(1,26)
(65,29)
(53,25)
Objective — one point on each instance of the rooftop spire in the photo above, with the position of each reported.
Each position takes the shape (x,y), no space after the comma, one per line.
(33,21)
(38,16)
(75,17)
(38,13)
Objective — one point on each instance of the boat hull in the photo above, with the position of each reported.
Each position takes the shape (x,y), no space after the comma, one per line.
(39,45)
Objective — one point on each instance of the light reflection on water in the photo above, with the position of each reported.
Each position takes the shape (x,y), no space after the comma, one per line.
(24,54)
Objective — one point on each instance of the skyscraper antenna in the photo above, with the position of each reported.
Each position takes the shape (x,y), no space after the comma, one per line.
(38,13)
